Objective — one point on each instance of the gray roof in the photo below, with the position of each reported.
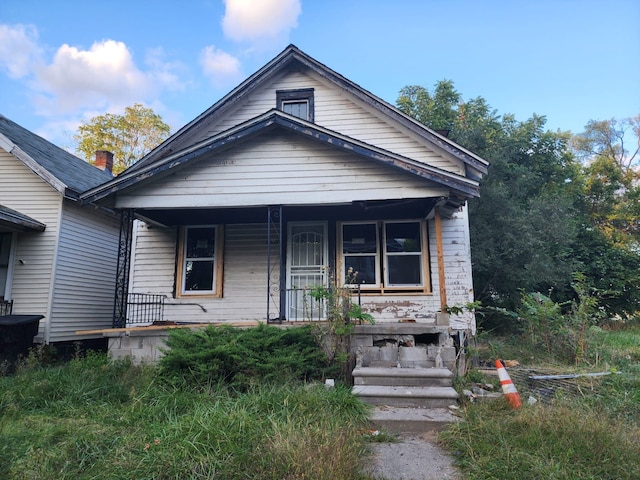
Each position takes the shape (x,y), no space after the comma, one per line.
(48,160)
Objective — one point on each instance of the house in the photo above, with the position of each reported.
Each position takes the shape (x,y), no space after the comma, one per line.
(57,257)
(297,178)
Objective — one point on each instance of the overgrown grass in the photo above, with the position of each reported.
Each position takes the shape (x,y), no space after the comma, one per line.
(92,418)
(593,435)
(565,440)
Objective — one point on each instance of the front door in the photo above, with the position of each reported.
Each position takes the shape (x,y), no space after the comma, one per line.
(307,266)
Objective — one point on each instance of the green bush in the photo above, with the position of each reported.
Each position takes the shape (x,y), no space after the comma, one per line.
(243,357)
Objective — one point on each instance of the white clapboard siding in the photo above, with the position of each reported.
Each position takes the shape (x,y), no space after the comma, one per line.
(279,169)
(244,275)
(338,110)
(85,272)
(457,262)
(154,263)
(24,191)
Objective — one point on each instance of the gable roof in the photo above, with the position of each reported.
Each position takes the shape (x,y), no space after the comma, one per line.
(65,172)
(271,119)
(292,57)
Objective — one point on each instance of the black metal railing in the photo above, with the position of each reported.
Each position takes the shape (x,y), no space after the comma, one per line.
(301,306)
(144,308)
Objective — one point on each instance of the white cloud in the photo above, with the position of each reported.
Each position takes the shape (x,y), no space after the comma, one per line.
(77,84)
(105,77)
(219,66)
(253,20)
(19,49)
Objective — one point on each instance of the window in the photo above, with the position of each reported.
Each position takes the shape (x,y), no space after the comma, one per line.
(386,255)
(298,103)
(199,252)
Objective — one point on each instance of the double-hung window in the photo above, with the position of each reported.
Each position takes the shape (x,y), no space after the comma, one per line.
(385,255)
(298,103)
(199,268)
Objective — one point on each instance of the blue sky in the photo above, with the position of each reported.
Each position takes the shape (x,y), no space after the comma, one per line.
(63,62)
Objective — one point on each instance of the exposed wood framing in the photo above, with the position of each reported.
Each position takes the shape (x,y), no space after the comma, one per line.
(440,251)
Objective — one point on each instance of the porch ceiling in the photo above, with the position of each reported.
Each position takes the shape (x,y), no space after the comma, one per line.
(418,208)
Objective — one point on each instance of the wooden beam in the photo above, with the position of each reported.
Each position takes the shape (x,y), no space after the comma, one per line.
(247,323)
(441,270)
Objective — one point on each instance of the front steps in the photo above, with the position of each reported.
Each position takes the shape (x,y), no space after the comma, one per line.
(405,387)
(404,365)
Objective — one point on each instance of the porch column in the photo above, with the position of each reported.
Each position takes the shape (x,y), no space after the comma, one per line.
(440,251)
(276,286)
(122,270)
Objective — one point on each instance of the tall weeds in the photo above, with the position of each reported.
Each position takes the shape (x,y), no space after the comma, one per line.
(93,418)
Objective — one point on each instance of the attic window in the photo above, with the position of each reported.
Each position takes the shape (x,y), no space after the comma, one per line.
(298,103)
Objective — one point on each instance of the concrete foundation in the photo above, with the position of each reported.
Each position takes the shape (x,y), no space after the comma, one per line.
(143,347)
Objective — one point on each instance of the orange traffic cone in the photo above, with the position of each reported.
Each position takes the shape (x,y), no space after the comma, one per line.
(508,388)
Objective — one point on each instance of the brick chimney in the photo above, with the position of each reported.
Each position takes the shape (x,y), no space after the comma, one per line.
(104,160)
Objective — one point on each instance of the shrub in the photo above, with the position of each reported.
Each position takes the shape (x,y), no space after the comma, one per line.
(242,357)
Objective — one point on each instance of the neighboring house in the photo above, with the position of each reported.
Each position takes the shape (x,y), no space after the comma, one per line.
(294,179)
(57,258)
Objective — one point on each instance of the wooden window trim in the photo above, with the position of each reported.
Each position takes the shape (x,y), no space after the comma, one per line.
(218,257)
(300,94)
(383,289)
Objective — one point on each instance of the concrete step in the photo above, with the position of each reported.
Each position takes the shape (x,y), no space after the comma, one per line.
(424,397)
(399,377)
(410,420)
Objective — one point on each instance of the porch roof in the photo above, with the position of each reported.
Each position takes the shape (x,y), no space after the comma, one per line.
(13,220)
(461,186)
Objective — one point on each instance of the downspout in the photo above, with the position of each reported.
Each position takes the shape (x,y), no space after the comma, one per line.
(440,252)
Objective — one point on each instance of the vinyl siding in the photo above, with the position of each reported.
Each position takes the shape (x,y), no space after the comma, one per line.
(282,169)
(24,191)
(85,273)
(338,110)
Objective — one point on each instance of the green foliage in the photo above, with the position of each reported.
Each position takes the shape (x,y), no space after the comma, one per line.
(540,209)
(243,357)
(561,329)
(129,136)
(121,421)
(341,315)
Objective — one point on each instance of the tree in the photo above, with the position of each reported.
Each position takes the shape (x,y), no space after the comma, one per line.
(129,137)
(524,224)
(609,248)
(612,178)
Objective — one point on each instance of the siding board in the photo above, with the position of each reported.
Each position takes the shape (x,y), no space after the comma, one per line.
(244,276)
(339,111)
(24,191)
(85,273)
(279,169)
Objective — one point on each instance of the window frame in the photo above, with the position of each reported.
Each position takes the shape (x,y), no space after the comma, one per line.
(294,96)
(216,291)
(381,265)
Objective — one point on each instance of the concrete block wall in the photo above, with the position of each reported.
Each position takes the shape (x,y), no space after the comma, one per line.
(142,348)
